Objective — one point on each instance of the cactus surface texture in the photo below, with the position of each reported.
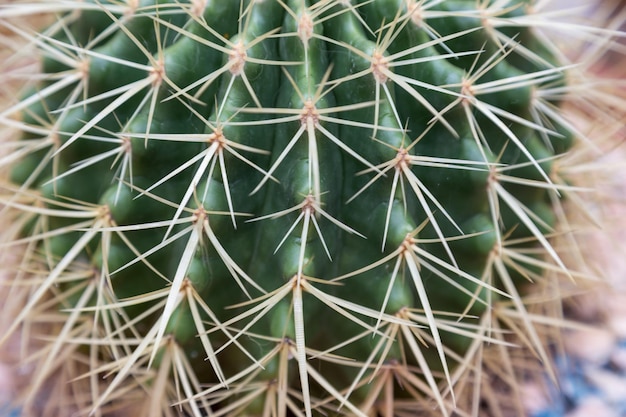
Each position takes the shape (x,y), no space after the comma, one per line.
(284,207)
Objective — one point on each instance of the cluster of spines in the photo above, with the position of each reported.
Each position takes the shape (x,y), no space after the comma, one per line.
(341,172)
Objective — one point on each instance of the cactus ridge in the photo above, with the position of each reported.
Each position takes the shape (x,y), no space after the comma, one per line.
(285,207)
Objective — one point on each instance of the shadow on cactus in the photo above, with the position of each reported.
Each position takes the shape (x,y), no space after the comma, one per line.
(283,208)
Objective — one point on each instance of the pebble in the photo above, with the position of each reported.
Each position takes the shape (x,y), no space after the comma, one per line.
(618,358)
(617,326)
(9,412)
(535,399)
(6,386)
(592,384)
(594,345)
(612,385)
(593,407)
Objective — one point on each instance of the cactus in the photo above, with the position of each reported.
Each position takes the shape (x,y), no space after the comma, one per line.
(274,208)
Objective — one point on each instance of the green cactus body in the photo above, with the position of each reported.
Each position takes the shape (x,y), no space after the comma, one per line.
(284,208)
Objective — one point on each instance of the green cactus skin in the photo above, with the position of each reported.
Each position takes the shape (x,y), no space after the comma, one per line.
(273,208)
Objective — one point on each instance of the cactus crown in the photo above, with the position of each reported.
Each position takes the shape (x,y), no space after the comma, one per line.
(284,207)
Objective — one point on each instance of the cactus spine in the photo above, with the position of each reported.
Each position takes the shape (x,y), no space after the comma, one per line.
(274,208)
